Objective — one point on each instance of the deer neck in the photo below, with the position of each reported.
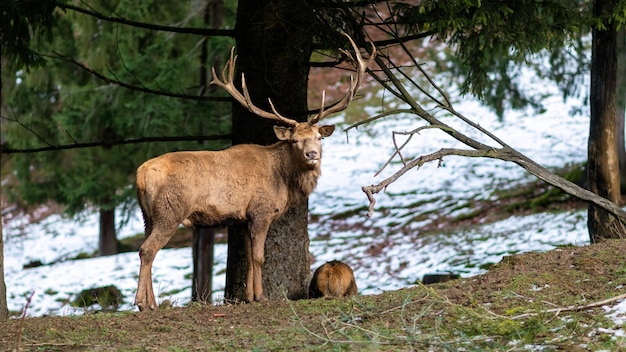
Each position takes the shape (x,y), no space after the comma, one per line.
(299,178)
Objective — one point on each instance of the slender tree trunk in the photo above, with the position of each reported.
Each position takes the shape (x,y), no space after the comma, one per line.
(273,48)
(108,238)
(202,250)
(4,312)
(603,166)
(203,237)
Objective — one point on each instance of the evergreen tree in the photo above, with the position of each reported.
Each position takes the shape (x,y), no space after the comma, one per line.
(26,20)
(64,103)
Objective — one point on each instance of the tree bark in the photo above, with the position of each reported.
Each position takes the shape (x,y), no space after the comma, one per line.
(274,53)
(108,238)
(4,312)
(202,250)
(603,163)
(621,151)
(621,106)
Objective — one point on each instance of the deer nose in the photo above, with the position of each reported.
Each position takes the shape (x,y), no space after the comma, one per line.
(312,155)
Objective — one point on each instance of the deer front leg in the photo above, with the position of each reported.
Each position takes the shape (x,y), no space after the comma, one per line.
(145,294)
(258,234)
(148,250)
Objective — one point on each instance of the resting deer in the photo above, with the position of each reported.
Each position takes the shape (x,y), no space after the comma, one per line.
(246,183)
(333,279)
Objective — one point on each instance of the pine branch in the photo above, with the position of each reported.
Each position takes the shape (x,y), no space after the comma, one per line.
(5,150)
(117,82)
(195,31)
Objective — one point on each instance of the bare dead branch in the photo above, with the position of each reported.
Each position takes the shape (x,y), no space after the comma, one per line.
(558,310)
(417,163)
(503,152)
(564,184)
(360,66)
(398,149)
(403,94)
(374,118)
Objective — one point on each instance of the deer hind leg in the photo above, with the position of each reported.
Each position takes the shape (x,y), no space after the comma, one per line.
(155,240)
(258,234)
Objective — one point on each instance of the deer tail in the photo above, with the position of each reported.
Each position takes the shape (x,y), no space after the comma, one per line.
(143,202)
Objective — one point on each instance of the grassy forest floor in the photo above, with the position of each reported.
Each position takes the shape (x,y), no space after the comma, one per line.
(554,301)
(549,301)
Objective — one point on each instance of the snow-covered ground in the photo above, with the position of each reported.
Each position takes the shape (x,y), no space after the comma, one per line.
(387,253)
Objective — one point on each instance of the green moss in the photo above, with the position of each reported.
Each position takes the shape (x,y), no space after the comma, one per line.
(106,296)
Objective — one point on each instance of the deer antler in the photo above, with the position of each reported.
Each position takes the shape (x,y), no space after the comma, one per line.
(228,76)
(227,82)
(360,66)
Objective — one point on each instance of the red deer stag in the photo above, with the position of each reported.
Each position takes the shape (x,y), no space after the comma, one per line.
(246,183)
(333,279)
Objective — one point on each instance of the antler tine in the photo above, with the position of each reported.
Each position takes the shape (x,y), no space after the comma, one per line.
(360,65)
(321,113)
(228,75)
(254,109)
(280,117)
(227,82)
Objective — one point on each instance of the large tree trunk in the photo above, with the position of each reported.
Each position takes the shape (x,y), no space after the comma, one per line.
(621,105)
(603,165)
(108,238)
(621,150)
(274,54)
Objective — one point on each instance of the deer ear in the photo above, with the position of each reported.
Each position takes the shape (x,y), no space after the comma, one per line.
(327,130)
(282,133)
